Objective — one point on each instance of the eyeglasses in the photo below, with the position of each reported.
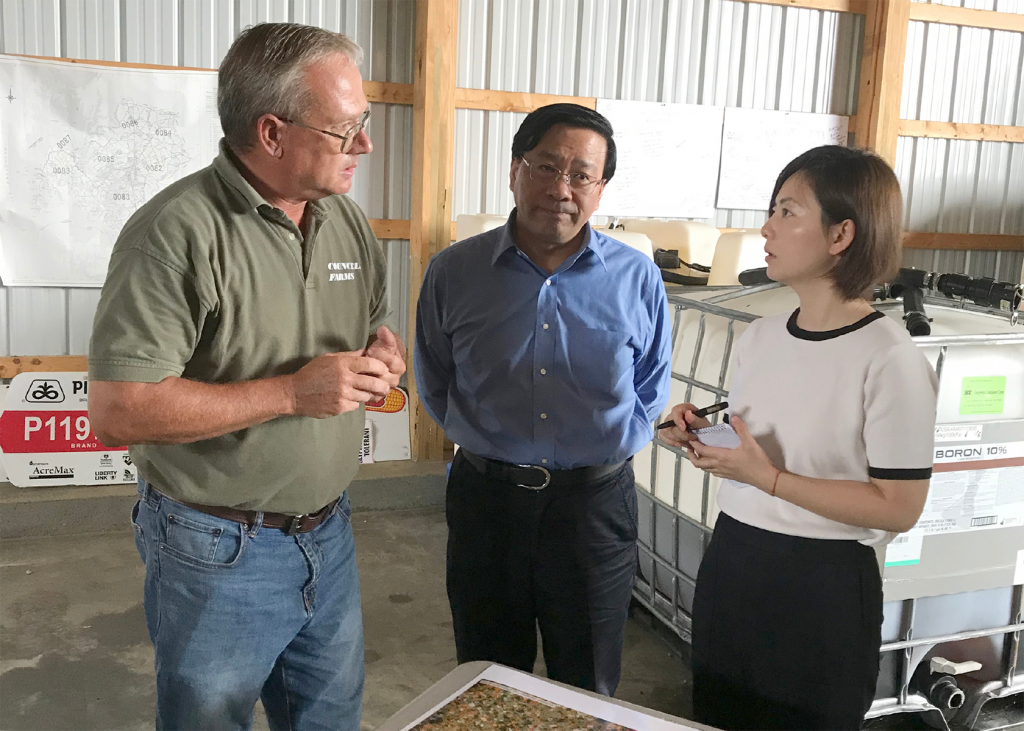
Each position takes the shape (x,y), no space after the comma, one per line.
(547,174)
(347,139)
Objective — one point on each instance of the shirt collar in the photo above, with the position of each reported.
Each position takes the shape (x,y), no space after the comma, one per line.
(228,166)
(591,240)
(505,240)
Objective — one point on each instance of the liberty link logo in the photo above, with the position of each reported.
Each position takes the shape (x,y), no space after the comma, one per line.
(342,271)
(45,391)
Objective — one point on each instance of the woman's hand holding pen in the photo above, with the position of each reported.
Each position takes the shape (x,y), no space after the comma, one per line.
(685,420)
(748,463)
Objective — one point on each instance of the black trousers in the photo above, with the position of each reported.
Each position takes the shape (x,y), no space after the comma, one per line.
(786,631)
(562,558)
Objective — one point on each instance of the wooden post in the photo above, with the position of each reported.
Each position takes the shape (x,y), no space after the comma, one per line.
(432,166)
(886,25)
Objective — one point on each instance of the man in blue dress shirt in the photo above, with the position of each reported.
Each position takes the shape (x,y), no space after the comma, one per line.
(543,349)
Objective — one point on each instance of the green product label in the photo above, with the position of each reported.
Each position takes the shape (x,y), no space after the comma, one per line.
(982,395)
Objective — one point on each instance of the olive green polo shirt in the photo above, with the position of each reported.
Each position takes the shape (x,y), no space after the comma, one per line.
(209,282)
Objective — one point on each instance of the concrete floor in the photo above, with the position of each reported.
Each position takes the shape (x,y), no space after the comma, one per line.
(74,653)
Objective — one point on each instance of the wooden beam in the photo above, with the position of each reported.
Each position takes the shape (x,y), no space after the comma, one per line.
(839,6)
(386,93)
(514,101)
(376,91)
(432,170)
(517,101)
(881,77)
(962,242)
(12,366)
(949,15)
(390,228)
(394,229)
(119,64)
(961,131)
(959,242)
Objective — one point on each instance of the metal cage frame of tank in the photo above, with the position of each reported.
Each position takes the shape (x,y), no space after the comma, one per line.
(669,609)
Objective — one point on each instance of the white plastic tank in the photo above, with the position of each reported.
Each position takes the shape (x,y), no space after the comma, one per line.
(471,224)
(632,239)
(960,361)
(695,241)
(735,252)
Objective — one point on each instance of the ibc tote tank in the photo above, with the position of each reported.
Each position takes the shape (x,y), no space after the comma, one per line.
(703,343)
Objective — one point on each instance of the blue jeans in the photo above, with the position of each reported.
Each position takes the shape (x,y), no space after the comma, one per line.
(238,613)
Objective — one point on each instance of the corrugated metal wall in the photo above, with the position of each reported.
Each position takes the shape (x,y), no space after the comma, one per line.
(690,51)
(694,51)
(959,74)
(765,57)
(197,33)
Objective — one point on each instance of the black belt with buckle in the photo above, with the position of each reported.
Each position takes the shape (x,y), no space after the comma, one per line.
(535,477)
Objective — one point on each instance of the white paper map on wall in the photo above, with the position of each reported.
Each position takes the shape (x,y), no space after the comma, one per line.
(757,144)
(667,159)
(83,147)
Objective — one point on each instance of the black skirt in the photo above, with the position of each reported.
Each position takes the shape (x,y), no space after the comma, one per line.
(786,631)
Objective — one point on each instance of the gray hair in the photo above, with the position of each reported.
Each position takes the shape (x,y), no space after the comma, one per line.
(263,73)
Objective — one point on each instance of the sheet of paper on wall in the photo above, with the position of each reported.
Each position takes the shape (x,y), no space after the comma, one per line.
(667,159)
(386,434)
(83,147)
(758,143)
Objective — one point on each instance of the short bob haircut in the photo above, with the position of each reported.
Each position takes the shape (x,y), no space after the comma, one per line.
(856,185)
(539,121)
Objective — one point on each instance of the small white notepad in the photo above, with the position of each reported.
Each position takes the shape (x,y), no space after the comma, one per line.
(721,435)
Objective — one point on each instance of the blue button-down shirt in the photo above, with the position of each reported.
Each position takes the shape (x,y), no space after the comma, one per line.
(564,370)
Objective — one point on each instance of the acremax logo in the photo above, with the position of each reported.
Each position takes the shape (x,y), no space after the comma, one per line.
(51,473)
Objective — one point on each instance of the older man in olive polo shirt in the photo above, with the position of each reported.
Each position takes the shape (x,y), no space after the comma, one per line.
(239,332)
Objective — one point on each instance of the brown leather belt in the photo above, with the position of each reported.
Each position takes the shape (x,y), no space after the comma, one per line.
(290,524)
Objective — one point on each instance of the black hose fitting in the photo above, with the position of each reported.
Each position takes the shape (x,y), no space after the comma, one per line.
(913,312)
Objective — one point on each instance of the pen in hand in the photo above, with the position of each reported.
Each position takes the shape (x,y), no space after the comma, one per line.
(699,413)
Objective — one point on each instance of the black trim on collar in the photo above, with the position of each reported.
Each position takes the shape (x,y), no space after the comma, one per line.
(797,332)
(886,473)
